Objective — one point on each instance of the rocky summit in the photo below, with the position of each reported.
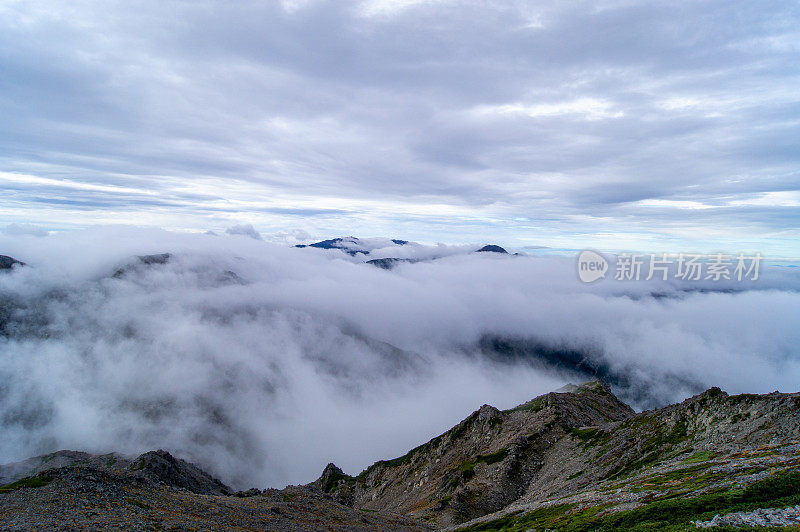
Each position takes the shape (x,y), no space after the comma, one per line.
(575,459)
(8,263)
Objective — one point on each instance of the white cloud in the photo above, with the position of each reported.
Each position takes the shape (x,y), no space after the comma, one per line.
(266,376)
(587,108)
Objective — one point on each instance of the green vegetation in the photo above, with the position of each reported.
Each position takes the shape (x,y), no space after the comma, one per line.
(462,427)
(533,405)
(492,458)
(671,514)
(333,480)
(744,398)
(137,465)
(657,441)
(27,482)
(701,456)
(590,436)
(467,467)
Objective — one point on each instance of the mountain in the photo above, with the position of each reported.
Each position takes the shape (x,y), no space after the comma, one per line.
(391,252)
(481,465)
(7,263)
(585,453)
(69,490)
(574,459)
(492,248)
(349,245)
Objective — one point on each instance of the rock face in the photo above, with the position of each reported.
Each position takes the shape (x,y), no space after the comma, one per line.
(329,479)
(8,263)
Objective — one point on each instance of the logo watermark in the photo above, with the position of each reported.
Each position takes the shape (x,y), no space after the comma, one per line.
(593,266)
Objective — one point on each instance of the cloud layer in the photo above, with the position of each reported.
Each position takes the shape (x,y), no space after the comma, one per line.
(563,123)
(265,362)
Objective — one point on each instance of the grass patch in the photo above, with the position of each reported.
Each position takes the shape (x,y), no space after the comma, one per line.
(534,405)
(673,514)
(467,467)
(698,457)
(658,442)
(27,482)
(590,436)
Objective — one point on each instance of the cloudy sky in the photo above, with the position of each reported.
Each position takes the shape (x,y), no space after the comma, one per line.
(659,125)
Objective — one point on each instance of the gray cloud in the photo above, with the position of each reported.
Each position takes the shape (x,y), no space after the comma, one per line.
(364,113)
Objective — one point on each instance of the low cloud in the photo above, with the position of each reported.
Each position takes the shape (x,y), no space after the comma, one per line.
(263,362)
(244,229)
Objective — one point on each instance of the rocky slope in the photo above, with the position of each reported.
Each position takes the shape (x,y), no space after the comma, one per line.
(481,465)
(69,490)
(580,449)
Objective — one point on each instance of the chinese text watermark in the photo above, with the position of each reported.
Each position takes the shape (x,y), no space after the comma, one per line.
(682,266)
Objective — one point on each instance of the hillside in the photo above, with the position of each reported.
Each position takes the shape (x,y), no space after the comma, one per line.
(581,449)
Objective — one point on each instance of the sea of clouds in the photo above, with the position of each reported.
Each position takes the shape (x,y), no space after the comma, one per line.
(263,362)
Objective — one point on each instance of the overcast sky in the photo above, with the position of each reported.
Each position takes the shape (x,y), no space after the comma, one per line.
(657,125)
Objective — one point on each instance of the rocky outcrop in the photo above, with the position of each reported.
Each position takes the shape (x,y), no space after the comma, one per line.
(771,517)
(389,263)
(144,260)
(9,263)
(161,467)
(85,496)
(349,245)
(563,444)
(481,465)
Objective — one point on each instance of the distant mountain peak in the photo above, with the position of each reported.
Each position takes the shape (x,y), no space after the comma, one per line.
(8,263)
(492,248)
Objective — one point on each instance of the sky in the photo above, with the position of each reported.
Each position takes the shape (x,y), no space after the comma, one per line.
(655,126)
